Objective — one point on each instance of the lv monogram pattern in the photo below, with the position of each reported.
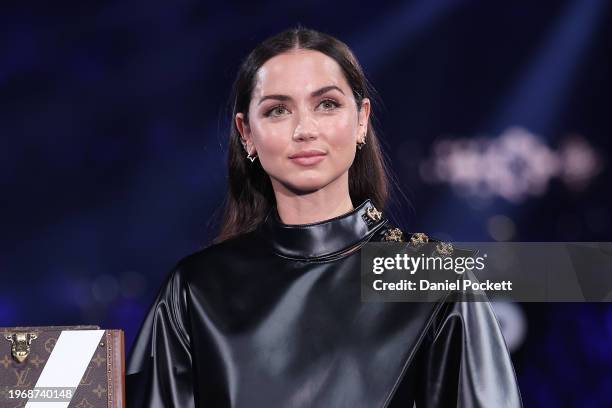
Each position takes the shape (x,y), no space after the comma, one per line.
(92,391)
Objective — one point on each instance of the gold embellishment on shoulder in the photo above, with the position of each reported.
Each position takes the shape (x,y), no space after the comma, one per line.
(444,248)
(418,239)
(373,214)
(393,234)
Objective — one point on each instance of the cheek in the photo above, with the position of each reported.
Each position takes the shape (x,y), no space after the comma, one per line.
(271,141)
(343,134)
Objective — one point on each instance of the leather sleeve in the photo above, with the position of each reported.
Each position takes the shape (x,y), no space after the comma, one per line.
(159,372)
(466,362)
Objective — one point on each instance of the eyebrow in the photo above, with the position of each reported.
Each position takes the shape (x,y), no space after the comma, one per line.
(316,93)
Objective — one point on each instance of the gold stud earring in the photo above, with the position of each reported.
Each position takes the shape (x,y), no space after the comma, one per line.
(361,143)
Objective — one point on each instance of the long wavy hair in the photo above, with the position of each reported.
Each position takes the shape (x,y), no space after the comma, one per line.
(250,195)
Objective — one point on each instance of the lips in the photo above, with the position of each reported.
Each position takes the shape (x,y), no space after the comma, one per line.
(307,153)
(308,157)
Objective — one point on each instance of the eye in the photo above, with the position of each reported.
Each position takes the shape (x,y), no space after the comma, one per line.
(329,104)
(276,111)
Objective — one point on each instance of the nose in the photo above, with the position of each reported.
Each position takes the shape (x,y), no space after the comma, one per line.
(306,129)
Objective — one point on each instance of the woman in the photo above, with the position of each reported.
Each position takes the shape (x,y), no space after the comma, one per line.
(271,314)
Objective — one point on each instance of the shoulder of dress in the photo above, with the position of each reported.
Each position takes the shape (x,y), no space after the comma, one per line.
(215,255)
(236,243)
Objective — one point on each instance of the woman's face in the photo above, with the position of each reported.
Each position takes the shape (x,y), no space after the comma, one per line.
(303,122)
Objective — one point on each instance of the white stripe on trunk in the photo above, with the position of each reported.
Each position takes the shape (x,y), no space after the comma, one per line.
(67,363)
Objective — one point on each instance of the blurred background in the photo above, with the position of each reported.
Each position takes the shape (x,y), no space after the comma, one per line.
(113,126)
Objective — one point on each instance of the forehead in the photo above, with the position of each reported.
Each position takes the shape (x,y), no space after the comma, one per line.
(298,72)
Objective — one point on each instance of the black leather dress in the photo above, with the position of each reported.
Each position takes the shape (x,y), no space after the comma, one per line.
(274,318)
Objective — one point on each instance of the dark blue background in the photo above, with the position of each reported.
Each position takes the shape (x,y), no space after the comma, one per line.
(113,131)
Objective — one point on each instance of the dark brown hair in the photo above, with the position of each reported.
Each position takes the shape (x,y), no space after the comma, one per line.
(250,195)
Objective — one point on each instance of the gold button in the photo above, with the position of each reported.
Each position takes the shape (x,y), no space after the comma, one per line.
(373,213)
(394,234)
(444,248)
(418,239)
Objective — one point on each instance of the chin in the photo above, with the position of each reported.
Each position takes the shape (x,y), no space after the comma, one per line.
(305,188)
(307,184)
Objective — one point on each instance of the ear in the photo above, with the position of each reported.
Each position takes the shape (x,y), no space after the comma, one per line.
(245,133)
(364,117)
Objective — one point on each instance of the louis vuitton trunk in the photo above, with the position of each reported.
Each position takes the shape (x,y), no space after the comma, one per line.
(61,367)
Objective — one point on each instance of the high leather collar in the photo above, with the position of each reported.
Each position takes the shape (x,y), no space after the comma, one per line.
(322,239)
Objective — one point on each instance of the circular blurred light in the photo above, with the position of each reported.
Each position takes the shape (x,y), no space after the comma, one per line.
(105,288)
(513,323)
(133,284)
(501,228)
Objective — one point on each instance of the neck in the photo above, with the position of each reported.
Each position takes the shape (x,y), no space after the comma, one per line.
(320,205)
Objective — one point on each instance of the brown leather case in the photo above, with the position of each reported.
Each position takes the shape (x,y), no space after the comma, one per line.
(102,384)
